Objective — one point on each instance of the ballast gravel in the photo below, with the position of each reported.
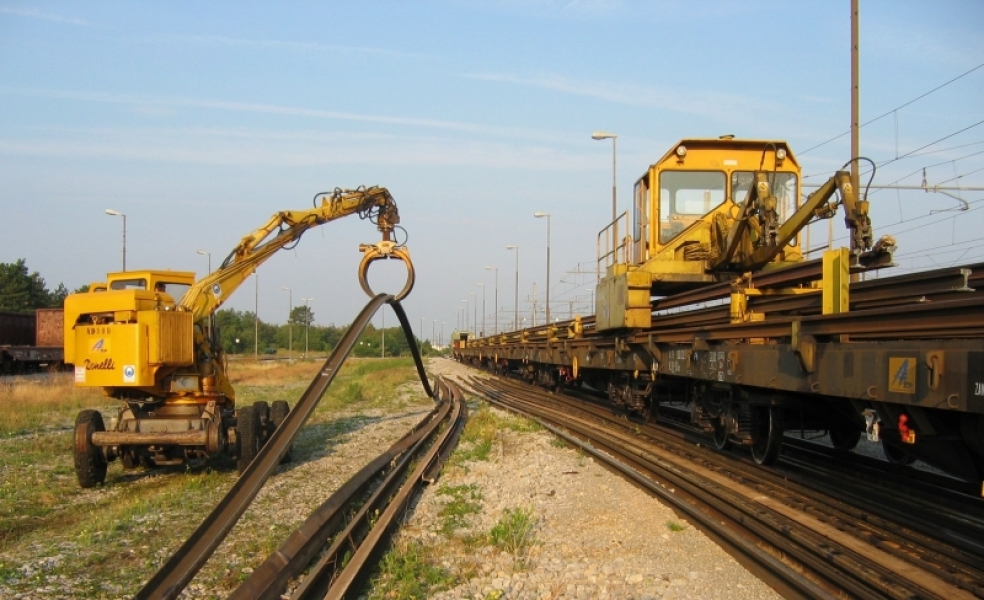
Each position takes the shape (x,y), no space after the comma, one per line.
(595,534)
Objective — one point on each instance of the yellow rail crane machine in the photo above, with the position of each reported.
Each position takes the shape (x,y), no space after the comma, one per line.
(718,210)
(148,339)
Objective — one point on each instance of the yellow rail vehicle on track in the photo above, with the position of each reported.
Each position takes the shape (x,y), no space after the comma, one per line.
(704,303)
(709,211)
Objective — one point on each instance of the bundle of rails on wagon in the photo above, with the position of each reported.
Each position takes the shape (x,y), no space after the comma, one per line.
(706,302)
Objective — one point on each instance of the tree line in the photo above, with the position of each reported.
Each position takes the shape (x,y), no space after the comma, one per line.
(25,291)
(238,334)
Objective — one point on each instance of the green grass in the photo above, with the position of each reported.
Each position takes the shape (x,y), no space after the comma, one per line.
(465,500)
(480,433)
(674,526)
(114,537)
(513,532)
(409,571)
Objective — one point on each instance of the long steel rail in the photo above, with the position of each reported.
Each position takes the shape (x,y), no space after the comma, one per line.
(854,549)
(178,571)
(905,306)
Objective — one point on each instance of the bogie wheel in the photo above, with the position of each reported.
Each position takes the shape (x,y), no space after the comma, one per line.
(720,436)
(768,441)
(844,440)
(263,415)
(643,416)
(90,462)
(248,436)
(278,414)
(897,456)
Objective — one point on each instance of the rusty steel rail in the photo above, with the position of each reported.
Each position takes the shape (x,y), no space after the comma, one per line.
(269,580)
(789,582)
(178,571)
(857,551)
(362,540)
(918,293)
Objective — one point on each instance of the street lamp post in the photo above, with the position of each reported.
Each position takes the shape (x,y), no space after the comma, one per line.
(256,316)
(209,255)
(116,213)
(474,312)
(290,327)
(496,306)
(516,305)
(547,215)
(441,340)
(482,285)
(601,135)
(307,323)
(433,330)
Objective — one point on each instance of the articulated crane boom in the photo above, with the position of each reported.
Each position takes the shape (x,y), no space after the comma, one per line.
(162,357)
(763,237)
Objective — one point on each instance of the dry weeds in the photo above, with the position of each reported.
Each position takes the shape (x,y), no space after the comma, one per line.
(43,402)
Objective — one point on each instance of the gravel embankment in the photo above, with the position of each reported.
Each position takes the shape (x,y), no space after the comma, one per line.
(596,535)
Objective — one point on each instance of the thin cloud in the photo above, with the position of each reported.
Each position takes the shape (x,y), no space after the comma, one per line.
(707,104)
(145,101)
(297,149)
(216,40)
(33,14)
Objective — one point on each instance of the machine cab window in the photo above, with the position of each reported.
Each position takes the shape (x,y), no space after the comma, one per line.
(685,197)
(783,188)
(129,284)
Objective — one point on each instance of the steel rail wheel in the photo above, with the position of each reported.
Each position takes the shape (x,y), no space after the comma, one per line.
(768,441)
(844,440)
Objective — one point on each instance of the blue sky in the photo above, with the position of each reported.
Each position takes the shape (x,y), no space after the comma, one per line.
(199,120)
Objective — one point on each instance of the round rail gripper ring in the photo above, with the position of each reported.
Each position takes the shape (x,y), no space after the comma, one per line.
(373,254)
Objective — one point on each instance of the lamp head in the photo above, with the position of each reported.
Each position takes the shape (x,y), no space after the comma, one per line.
(541,214)
(115,213)
(512,247)
(202,252)
(602,135)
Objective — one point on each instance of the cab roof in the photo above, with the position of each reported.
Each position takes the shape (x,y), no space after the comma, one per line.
(726,143)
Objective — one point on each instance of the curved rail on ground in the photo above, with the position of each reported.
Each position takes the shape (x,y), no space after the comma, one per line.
(381,477)
(178,571)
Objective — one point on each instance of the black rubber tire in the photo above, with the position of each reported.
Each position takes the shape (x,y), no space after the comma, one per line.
(90,462)
(844,440)
(278,414)
(262,409)
(247,436)
(768,446)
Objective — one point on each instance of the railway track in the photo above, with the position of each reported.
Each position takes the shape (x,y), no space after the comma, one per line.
(806,536)
(354,522)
